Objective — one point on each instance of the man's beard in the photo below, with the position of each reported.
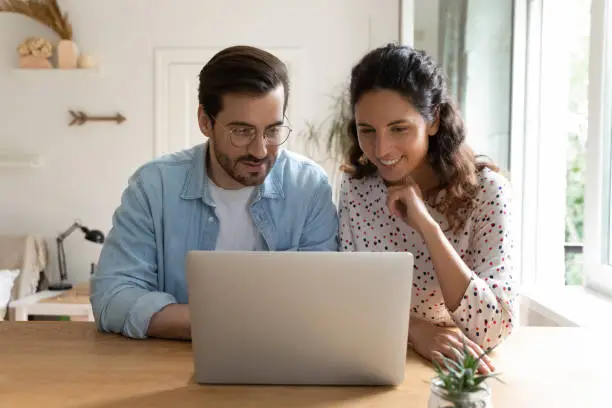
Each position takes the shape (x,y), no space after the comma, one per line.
(245,178)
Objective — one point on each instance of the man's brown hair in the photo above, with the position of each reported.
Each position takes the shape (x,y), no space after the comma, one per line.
(240,69)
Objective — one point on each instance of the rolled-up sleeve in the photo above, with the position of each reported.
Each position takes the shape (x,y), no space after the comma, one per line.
(124,289)
(488,309)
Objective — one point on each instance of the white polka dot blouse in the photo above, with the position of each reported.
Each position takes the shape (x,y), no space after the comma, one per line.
(486,313)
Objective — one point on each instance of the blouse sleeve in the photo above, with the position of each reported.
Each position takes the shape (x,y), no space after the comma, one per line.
(487,312)
(347,242)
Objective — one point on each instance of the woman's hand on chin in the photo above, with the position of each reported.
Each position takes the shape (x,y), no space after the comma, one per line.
(431,341)
(405,201)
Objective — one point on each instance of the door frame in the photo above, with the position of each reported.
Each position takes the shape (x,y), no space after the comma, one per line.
(166,57)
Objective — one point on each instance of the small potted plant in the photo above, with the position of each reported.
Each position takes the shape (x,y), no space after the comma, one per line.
(458,384)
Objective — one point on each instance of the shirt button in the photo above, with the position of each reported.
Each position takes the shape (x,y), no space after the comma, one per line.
(210,219)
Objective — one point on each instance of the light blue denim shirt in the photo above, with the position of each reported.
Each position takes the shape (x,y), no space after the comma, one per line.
(167,210)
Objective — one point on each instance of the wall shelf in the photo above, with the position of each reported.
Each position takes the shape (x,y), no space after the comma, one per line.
(20,160)
(58,72)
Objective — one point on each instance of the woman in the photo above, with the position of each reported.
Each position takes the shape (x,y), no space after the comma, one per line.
(414,185)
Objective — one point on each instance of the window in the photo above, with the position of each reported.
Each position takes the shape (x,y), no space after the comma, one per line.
(559,83)
(576,134)
(598,203)
(566,97)
(549,130)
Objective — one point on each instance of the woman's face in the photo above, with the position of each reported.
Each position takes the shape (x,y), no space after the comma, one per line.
(392,134)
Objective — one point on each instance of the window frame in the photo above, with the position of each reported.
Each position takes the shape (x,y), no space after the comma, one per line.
(597,227)
(538,160)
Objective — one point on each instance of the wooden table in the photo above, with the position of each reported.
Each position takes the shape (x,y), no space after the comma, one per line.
(58,364)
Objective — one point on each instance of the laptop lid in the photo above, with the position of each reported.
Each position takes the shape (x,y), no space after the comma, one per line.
(311,318)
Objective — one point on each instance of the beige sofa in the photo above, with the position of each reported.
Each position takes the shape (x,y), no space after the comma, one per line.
(29,255)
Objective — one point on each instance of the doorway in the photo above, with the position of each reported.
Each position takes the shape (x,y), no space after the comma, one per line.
(176,95)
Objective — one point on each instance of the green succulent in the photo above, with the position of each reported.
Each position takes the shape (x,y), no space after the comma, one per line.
(460,376)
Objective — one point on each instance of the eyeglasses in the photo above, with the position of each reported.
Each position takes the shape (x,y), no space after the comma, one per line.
(243,135)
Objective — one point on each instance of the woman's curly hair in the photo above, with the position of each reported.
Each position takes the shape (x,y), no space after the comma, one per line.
(414,75)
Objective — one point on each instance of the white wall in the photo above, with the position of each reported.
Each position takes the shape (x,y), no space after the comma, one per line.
(488,47)
(426,26)
(86,168)
(488,71)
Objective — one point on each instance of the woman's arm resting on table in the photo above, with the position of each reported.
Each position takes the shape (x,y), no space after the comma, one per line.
(481,304)
(478,288)
(487,311)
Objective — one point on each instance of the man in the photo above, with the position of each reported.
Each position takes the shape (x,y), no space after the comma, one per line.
(237,191)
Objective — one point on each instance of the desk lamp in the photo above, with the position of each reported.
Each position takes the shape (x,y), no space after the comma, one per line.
(90,235)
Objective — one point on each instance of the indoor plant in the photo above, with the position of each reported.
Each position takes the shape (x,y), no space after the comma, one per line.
(328,141)
(458,383)
(331,135)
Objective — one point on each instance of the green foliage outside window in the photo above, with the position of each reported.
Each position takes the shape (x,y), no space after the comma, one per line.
(576,136)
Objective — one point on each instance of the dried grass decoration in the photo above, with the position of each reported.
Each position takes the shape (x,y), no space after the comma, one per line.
(48,13)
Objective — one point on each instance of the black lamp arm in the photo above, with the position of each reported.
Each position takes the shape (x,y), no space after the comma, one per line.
(61,255)
(90,235)
(61,260)
(69,231)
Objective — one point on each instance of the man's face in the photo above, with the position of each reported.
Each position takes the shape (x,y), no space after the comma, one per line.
(239,154)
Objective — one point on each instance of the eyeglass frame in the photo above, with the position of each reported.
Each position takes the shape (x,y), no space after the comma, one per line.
(246,125)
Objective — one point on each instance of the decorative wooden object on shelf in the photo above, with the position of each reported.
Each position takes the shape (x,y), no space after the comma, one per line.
(67,54)
(32,62)
(86,61)
(80,118)
(35,52)
(49,13)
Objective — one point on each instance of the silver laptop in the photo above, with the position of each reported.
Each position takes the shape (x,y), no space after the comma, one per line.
(299,318)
